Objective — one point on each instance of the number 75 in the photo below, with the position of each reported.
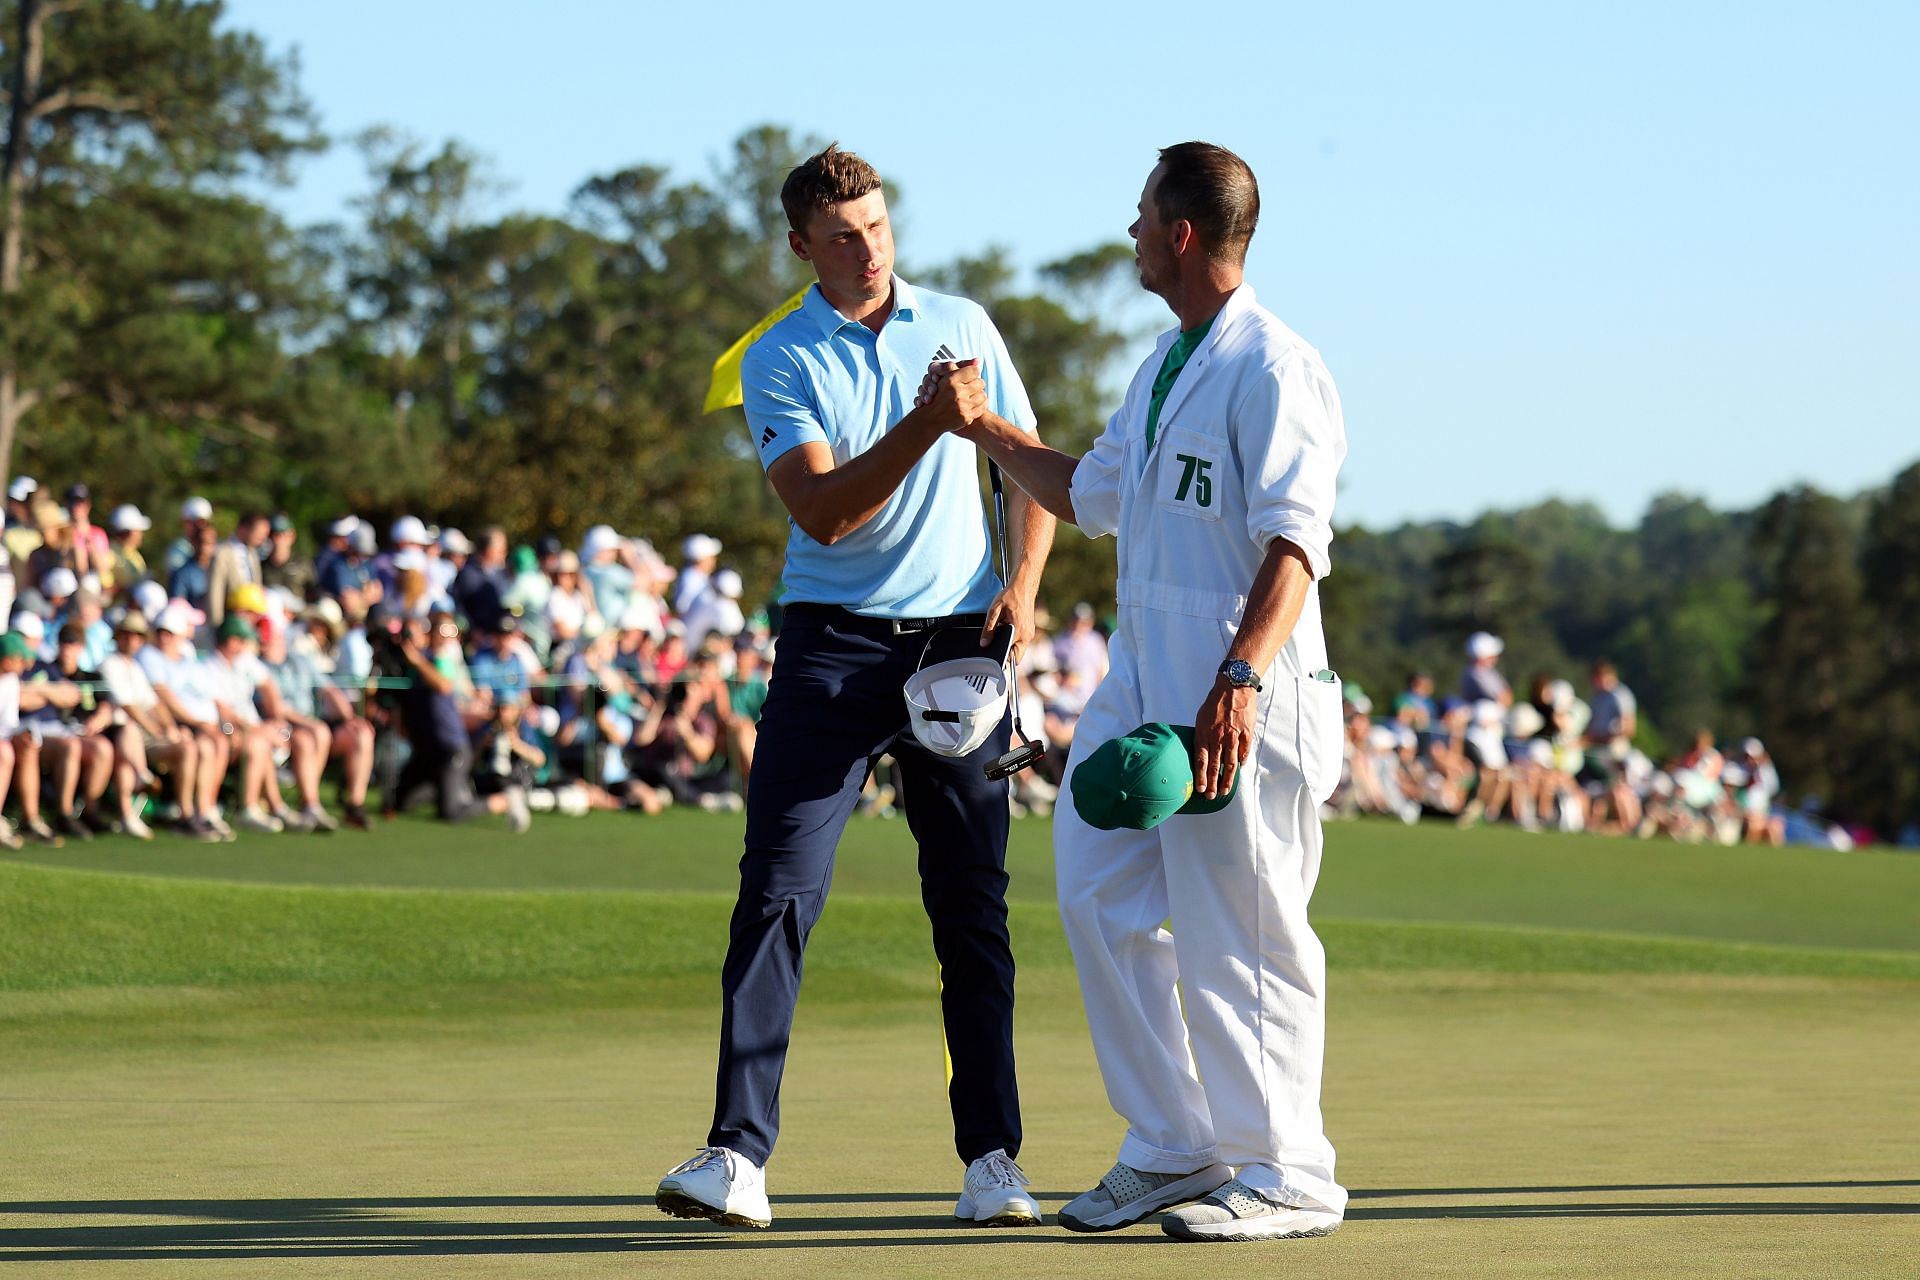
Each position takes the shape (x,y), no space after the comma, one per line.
(1195,477)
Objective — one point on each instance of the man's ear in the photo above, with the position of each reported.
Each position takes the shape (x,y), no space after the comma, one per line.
(1180,234)
(798,245)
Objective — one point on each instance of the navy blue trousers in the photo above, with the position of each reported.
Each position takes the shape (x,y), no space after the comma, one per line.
(834,706)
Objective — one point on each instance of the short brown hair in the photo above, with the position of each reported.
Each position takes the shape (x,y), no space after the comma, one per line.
(821,181)
(1213,189)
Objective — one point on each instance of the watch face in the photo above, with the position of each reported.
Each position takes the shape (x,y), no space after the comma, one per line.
(1241,672)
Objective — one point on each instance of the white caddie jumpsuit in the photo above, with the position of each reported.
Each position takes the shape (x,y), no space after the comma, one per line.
(1248,446)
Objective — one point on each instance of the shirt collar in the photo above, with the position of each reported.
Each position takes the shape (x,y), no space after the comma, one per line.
(1238,303)
(906,303)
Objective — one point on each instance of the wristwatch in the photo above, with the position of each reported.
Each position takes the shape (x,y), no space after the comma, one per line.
(1240,674)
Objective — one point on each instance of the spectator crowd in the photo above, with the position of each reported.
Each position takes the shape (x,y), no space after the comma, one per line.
(1556,758)
(225,683)
(194,686)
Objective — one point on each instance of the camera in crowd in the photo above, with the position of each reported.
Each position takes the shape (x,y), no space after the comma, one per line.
(387,633)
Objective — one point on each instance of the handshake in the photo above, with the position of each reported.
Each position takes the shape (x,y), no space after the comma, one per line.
(952,393)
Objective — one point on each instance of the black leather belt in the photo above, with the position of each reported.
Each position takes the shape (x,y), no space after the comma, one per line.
(837,615)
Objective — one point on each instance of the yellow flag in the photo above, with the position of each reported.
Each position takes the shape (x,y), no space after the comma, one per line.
(723,389)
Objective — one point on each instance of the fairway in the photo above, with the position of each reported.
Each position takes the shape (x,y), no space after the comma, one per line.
(431,1052)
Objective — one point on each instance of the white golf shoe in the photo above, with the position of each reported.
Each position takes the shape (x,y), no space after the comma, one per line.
(718,1184)
(1126,1195)
(995,1193)
(1238,1212)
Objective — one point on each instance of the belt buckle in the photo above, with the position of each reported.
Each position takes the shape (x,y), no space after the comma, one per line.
(909,626)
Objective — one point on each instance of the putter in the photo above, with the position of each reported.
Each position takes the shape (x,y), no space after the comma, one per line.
(1030,751)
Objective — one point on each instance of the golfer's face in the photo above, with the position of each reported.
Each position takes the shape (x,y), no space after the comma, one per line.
(851,248)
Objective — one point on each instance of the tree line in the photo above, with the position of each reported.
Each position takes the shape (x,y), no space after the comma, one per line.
(164,331)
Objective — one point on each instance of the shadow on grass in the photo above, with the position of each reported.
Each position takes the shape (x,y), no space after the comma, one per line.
(390,1226)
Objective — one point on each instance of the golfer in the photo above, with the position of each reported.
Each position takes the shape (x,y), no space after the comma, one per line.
(887,564)
(1217,476)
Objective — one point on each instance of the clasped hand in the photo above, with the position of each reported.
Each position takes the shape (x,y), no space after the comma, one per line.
(953,394)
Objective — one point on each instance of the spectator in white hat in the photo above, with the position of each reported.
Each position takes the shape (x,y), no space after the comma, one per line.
(1482,681)
(412,593)
(607,562)
(349,575)
(407,534)
(701,553)
(716,611)
(644,616)
(126,529)
(455,549)
(58,587)
(338,539)
(149,739)
(570,606)
(1762,789)
(22,537)
(149,597)
(408,531)
(195,514)
(186,689)
(34,628)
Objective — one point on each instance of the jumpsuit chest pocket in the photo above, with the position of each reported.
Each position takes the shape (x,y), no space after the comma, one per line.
(1191,477)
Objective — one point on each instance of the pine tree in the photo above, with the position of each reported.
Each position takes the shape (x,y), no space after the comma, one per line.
(1813,660)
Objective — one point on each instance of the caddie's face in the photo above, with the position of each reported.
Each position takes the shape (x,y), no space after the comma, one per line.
(851,249)
(1153,242)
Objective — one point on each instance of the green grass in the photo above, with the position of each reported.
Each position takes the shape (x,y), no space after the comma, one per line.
(64,929)
(1373,871)
(430,1052)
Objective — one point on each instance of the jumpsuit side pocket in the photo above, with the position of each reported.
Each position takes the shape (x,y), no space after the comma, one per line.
(1320,736)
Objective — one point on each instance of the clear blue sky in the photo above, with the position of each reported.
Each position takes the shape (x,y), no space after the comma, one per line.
(1595,252)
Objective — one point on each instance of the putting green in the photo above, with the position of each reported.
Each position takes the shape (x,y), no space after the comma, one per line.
(249,1079)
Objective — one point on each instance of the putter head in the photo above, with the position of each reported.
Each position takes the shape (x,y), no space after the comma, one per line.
(1024,756)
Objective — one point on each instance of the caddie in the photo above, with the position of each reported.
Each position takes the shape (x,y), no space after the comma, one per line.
(1217,476)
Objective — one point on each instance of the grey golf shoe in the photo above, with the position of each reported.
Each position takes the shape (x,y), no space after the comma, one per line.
(1238,1212)
(1127,1195)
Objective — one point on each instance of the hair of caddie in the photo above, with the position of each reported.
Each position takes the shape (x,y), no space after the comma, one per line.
(1213,189)
(823,180)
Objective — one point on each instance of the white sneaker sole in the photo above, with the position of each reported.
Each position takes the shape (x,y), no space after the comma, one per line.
(678,1204)
(1279,1226)
(1195,1186)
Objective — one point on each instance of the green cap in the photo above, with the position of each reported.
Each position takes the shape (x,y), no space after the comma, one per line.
(1141,780)
(237,627)
(16,645)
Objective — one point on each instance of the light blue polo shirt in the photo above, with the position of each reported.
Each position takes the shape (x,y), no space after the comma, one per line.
(817,375)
